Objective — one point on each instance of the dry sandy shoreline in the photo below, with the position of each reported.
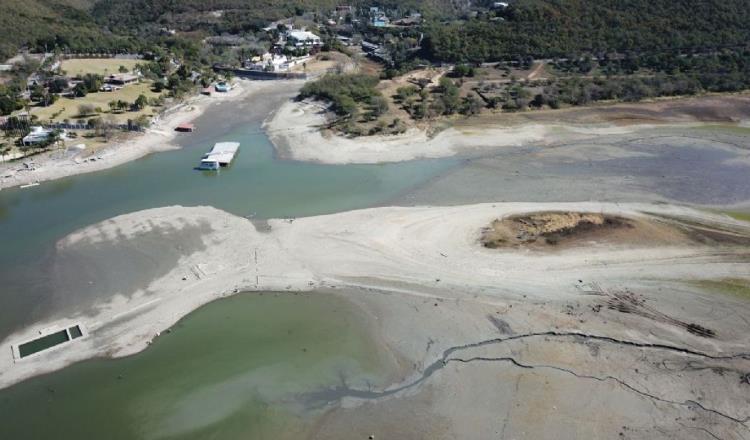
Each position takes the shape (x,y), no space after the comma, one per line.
(295,130)
(411,251)
(159,137)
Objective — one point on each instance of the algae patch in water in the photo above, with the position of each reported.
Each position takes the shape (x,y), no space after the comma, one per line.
(739,287)
(737,215)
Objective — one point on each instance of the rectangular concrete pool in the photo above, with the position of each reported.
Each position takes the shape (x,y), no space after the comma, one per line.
(49,340)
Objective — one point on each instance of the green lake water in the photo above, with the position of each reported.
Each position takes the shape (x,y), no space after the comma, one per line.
(236,368)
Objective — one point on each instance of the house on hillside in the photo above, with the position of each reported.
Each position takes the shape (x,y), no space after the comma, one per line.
(412,20)
(378,18)
(121,79)
(268,62)
(271,62)
(303,38)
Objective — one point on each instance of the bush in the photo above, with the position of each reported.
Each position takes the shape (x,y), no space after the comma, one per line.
(462,70)
(405,92)
(86,110)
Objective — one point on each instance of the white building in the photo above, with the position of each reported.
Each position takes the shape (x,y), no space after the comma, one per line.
(302,38)
(38,135)
(269,62)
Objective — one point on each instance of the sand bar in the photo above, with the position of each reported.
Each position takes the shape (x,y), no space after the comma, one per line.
(411,251)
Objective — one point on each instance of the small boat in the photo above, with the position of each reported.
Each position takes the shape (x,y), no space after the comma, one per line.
(29,185)
(185,127)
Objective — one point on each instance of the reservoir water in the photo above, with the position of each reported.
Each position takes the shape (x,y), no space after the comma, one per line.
(235,368)
(257,184)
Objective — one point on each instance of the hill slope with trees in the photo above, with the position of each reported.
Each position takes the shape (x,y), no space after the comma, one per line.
(559,28)
(52,23)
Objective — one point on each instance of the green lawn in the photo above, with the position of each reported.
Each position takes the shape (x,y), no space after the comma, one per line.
(66,108)
(101,66)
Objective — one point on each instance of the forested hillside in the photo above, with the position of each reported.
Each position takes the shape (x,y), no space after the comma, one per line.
(556,28)
(62,23)
(106,25)
(217,16)
(455,30)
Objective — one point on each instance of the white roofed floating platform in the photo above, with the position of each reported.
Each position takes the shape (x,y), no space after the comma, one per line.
(221,155)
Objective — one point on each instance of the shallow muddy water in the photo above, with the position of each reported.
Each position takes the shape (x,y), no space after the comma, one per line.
(705,167)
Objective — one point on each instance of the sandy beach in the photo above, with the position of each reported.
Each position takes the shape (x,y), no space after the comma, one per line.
(295,130)
(408,250)
(159,137)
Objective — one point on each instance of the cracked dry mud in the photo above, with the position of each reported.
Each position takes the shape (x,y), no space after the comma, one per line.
(568,384)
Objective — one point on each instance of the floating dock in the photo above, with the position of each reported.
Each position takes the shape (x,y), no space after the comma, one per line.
(221,155)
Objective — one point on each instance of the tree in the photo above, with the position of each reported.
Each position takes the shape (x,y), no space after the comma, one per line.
(471,105)
(538,101)
(55,137)
(95,123)
(142,121)
(58,85)
(449,97)
(80,90)
(462,70)
(379,105)
(141,102)
(8,104)
(92,82)
(123,69)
